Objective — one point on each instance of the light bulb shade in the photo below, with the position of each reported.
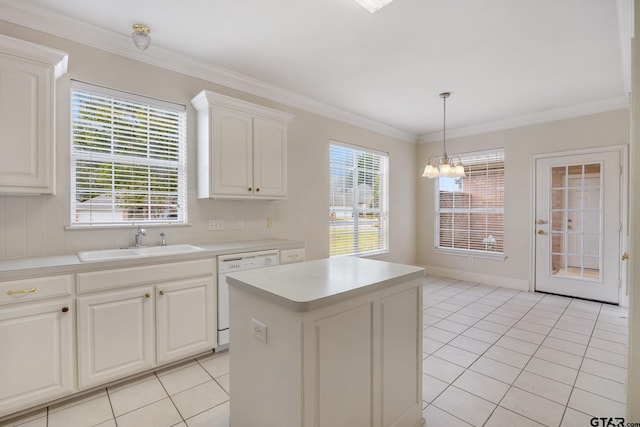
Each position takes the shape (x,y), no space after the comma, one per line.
(459,171)
(373,5)
(430,171)
(445,169)
(140,36)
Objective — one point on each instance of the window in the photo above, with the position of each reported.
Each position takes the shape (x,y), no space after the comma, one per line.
(358,201)
(128,156)
(470,210)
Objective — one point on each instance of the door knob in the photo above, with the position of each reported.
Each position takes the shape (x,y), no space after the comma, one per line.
(541,232)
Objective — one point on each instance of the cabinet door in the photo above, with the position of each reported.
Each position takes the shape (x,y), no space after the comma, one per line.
(185,318)
(26,142)
(269,158)
(36,345)
(115,334)
(343,374)
(231,153)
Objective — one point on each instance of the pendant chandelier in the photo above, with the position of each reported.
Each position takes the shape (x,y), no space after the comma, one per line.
(450,167)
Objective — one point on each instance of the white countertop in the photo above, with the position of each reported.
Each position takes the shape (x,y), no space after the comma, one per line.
(310,285)
(23,268)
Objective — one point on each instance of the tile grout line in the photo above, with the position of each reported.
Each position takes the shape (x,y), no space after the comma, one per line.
(169,396)
(106,389)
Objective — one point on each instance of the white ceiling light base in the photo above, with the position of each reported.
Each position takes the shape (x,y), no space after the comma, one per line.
(140,36)
(373,5)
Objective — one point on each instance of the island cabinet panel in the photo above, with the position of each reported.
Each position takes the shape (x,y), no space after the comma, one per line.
(401,387)
(343,368)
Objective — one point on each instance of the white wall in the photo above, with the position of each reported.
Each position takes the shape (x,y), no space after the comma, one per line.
(35,226)
(611,128)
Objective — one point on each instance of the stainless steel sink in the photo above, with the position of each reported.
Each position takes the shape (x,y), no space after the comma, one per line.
(141,252)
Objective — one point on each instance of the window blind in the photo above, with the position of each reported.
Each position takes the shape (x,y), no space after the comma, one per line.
(128,158)
(358,201)
(470,210)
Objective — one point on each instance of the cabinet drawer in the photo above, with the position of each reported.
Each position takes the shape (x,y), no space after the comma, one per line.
(34,289)
(148,274)
(289,256)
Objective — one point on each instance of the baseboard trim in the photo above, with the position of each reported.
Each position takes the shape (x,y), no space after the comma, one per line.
(486,279)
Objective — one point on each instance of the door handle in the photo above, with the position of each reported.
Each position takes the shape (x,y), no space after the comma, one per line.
(541,222)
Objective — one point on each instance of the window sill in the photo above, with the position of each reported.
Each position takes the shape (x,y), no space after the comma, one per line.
(125,226)
(471,254)
(378,254)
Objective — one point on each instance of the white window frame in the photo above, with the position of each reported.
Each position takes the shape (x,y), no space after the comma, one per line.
(466,158)
(382,210)
(169,166)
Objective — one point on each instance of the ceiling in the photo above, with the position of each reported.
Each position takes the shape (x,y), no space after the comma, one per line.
(506,62)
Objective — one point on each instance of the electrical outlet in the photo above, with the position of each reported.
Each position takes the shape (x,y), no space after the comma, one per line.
(269,222)
(239,223)
(216,224)
(259,330)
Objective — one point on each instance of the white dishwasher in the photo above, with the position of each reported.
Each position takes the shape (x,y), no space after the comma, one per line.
(236,262)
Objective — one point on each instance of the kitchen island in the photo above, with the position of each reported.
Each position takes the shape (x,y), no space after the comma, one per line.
(328,343)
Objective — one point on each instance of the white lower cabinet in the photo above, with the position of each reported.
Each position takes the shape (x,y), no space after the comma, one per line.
(36,342)
(152,316)
(115,334)
(185,318)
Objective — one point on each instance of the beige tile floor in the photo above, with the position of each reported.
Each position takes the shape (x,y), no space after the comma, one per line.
(493,357)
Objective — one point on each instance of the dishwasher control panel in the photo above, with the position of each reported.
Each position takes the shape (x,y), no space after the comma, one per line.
(247,261)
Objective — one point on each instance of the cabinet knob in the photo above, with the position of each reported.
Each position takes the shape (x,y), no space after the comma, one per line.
(249,189)
(161,292)
(257,189)
(64,309)
(540,232)
(147,295)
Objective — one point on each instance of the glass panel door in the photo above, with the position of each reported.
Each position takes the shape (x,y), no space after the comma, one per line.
(576,221)
(577,225)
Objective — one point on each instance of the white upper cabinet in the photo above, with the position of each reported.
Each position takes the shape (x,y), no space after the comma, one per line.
(242,148)
(28,74)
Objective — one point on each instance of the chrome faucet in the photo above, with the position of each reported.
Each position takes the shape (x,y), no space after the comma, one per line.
(163,239)
(139,235)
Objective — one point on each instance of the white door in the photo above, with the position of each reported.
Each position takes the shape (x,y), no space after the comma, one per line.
(185,314)
(115,334)
(578,223)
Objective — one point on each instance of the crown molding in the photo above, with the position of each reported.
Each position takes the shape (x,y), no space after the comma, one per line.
(59,25)
(609,104)
(625,28)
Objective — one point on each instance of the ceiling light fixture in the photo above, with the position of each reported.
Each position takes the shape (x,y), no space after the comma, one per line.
(140,36)
(373,5)
(450,167)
